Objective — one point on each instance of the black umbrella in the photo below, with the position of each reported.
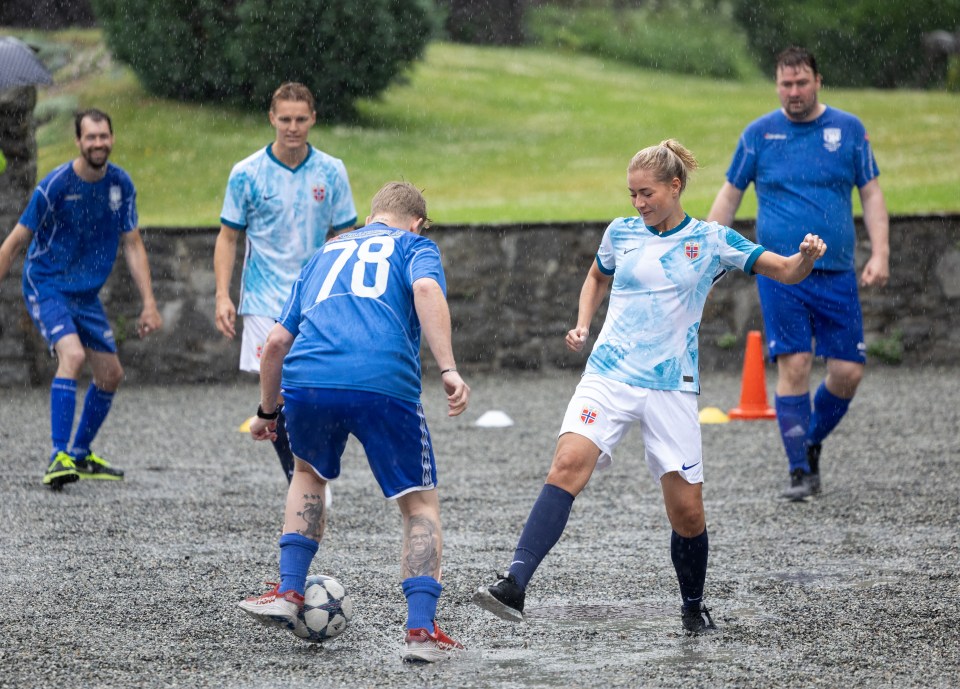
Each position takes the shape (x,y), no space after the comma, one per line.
(19,65)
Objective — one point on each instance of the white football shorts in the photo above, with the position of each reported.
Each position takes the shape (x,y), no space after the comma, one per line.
(255,331)
(603,410)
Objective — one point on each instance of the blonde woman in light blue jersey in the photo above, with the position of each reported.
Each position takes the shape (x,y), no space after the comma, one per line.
(659,267)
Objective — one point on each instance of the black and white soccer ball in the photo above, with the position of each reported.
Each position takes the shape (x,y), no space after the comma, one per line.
(327,609)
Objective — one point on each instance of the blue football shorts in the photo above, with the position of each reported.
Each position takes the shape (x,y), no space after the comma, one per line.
(393,433)
(824,308)
(57,315)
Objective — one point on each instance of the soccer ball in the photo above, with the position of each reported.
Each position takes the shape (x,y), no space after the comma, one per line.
(327,609)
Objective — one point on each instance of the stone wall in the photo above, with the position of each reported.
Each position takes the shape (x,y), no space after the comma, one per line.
(513,293)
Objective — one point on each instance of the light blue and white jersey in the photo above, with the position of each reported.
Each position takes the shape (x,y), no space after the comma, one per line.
(286,213)
(353,315)
(660,285)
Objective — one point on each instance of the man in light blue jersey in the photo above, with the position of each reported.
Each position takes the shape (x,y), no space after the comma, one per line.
(644,370)
(76,219)
(346,350)
(287,198)
(804,161)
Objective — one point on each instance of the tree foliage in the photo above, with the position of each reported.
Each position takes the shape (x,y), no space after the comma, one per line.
(485,22)
(877,43)
(238,51)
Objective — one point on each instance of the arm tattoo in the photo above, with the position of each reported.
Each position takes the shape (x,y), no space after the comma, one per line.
(421,556)
(314,515)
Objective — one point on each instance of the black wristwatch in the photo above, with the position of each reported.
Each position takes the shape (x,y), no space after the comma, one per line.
(269,417)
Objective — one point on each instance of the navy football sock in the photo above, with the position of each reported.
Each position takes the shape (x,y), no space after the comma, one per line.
(282,446)
(422,594)
(793,417)
(63,403)
(96,406)
(296,554)
(543,529)
(828,409)
(689,557)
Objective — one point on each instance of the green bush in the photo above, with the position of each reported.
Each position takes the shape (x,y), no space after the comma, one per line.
(888,350)
(237,52)
(859,43)
(652,38)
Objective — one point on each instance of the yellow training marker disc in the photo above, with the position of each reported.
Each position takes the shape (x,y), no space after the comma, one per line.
(713,415)
(245,426)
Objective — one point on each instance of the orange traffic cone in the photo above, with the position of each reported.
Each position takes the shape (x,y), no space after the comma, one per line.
(753,388)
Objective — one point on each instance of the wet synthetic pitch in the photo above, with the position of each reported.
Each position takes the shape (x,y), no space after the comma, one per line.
(135,584)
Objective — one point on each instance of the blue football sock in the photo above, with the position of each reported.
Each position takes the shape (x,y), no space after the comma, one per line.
(793,416)
(63,403)
(422,594)
(828,409)
(689,557)
(96,406)
(543,529)
(296,554)
(282,447)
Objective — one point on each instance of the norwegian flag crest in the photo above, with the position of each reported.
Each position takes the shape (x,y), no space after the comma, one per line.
(691,249)
(319,193)
(588,415)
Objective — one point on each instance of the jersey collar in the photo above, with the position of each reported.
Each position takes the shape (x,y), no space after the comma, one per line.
(283,165)
(683,223)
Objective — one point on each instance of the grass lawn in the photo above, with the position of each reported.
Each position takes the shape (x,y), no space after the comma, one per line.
(497,135)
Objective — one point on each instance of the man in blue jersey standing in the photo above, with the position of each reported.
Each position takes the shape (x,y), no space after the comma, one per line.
(804,161)
(346,351)
(287,197)
(76,219)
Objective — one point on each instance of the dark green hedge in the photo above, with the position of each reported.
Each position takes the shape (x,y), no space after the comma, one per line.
(875,43)
(238,51)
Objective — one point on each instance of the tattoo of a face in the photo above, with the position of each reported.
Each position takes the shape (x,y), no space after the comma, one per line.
(314,515)
(421,555)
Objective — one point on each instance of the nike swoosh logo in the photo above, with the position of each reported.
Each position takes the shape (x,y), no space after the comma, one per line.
(627,251)
(267,198)
(687,468)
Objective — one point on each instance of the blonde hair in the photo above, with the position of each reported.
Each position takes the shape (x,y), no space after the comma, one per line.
(668,159)
(292,91)
(401,199)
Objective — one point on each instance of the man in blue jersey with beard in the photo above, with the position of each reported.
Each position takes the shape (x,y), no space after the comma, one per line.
(76,219)
(346,350)
(804,161)
(287,197)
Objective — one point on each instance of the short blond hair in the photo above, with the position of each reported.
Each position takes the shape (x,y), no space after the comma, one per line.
(668,159)
(293,91)
(400,199)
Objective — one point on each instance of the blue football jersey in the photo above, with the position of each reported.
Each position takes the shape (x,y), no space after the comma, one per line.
(286,214)
(804,174)
(660,285)
(353,314)
(76,229)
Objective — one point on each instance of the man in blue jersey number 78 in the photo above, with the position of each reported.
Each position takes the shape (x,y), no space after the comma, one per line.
(804,160)
(346,350)
(77,217)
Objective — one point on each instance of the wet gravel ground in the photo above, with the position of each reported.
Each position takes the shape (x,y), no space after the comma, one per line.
(135,584)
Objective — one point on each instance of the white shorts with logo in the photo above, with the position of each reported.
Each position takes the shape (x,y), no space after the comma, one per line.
(603,410)
(255,331)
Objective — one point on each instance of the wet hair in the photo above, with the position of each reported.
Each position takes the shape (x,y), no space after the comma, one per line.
(401,199)
(796,57)
(293,91)
(93,114)
(668,159)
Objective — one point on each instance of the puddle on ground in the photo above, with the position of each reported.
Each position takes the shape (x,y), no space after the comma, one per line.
(834,579)
(602,611)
